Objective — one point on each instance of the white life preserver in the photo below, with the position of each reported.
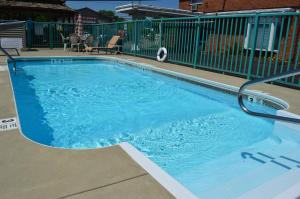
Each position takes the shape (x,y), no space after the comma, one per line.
(162,51)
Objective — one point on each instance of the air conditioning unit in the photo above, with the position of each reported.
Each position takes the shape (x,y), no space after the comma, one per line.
(194,7)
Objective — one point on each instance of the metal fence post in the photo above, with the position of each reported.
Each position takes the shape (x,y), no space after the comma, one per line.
(29,34)
(50,28)
(197,43)
(160,32)
(102,35)
(135,37)
(253,46)
(117,28)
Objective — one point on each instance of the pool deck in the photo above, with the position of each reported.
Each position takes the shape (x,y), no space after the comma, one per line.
(29,170)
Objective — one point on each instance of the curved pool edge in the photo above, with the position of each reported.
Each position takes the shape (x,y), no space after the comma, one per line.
(163,178)
(36,165)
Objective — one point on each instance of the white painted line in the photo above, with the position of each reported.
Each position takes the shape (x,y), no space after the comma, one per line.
(8,124)
(167,181)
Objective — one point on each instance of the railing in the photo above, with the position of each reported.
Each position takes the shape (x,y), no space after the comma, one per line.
(4,25)
(264,80)
(6,53)
(9,57)
(246,45)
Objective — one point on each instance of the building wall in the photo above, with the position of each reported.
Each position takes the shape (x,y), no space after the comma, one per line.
(233,5)
(292,45)
(184,4)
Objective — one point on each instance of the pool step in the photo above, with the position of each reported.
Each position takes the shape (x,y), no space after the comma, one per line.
(244,183)
(232,166)
(258,177)
(291,192)
(274,187)
(281,183)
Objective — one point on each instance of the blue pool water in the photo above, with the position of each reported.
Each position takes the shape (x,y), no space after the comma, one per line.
(194,133)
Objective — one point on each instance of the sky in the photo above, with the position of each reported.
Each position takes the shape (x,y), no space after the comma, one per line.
(110,5)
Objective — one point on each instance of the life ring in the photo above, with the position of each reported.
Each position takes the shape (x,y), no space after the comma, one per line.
(162,54)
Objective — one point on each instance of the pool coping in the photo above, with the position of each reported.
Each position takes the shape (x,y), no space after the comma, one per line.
(167,181)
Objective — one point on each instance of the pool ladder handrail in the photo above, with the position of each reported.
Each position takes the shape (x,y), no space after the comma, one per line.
(264,80)
(9,57)
(8,25)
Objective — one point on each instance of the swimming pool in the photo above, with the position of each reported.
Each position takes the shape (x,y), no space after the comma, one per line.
(197,134)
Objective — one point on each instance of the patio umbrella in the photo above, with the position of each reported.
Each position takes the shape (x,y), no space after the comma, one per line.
(79,26)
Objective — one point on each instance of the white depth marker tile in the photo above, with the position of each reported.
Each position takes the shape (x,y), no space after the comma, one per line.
(8,124)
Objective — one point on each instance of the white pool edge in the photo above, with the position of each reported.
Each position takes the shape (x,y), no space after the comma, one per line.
(162,177)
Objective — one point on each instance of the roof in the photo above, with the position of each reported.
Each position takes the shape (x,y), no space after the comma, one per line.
(36,5)
(87,11)
(273,10)
(43,1)
(92,13)
(10,24)
(153,11)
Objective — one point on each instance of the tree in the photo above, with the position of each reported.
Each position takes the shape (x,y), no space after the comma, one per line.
(111,14)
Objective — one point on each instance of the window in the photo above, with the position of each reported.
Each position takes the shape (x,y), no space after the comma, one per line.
(194,7)
(195,3)
(265,35)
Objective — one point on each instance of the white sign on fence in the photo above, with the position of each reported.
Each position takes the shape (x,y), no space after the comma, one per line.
(11,43)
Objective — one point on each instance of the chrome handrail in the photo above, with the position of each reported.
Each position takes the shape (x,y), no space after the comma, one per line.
(4,26)
(9,57)
(264,80)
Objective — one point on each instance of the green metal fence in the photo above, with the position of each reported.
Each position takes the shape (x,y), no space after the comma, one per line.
(247,45)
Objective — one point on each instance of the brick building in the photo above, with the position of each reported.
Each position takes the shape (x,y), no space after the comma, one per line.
(273,33)
(211,6)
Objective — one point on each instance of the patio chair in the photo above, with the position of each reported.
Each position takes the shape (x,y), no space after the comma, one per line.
(75,41)
(89,44)
(111,45)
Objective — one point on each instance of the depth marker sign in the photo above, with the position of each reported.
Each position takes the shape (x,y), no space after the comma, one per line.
(8,124)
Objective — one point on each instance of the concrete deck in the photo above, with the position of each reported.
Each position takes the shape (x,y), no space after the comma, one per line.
(29,170)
